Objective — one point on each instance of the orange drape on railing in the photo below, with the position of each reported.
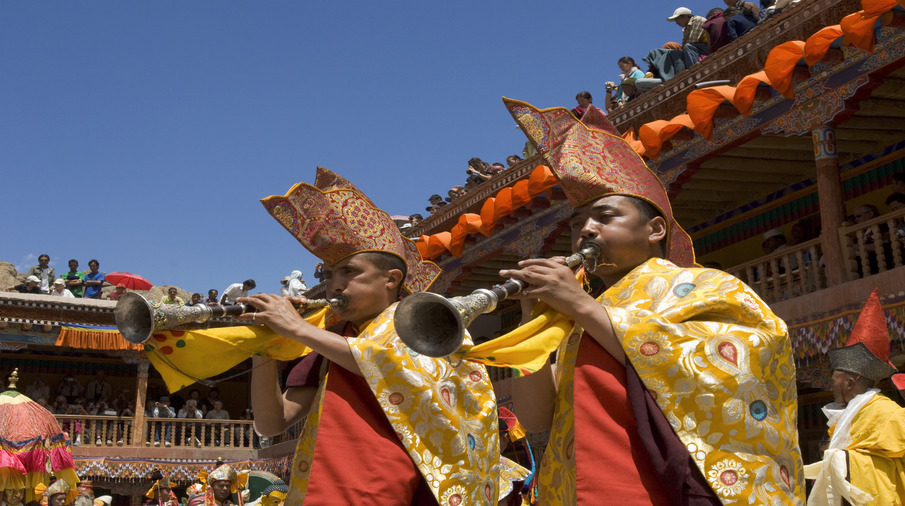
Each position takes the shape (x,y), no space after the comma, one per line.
(94,339)
(493,210)
(856,28)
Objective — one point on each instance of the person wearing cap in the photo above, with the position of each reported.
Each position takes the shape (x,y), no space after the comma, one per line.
(679,377)
(370,406)
(44,272)
(104,500)
(695,40)
(60,290)
(117,292)
(284,286)
(29,286)
(865,460)
(162,409)
(161,492)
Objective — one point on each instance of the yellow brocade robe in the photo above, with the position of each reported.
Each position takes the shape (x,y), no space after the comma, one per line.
(446,419)
(443,411)
(718,363)
(876,454)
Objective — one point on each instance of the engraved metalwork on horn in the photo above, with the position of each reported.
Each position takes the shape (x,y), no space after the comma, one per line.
(433,325)
(137,318)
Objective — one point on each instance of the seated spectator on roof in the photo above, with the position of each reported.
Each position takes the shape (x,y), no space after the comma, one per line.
(513,160)
(695,40)
(736,23)
(716,29)
(747,9)
(211,299)
(29,286)
(629,70)
(455,192)
(478,168)
(118,292)
(473,182)
(495,168)
(663,64)
(59,289)
(171,298)
(436,203)
(195,300)
(585,102)
(415,219)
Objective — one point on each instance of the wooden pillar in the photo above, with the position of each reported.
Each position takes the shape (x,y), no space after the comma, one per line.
(141,394)
(832,208)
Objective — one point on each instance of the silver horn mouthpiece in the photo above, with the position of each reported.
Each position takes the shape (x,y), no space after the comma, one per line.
(433,325)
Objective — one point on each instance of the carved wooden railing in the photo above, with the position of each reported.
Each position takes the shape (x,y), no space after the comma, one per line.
(448,216)
(874,246)
(781,275)
(112,431)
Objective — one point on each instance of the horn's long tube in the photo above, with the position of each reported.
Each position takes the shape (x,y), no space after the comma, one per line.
(433,325)
(137,318)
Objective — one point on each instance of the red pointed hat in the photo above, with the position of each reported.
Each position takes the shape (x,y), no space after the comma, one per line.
(334,220)
(591,162)
(867,350)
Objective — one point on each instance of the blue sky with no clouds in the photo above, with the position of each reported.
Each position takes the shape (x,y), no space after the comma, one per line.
(143,134)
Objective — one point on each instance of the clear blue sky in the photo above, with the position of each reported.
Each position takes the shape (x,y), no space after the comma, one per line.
(144,133)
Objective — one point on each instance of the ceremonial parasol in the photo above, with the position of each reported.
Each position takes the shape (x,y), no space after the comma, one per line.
(129,280)
(32,444)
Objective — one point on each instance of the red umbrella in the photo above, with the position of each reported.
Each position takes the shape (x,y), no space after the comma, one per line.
(129,280)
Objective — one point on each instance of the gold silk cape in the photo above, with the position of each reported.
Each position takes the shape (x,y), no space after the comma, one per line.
(442,409)
(876,453)
(718,363)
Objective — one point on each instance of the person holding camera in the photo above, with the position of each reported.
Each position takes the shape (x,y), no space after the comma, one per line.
(162,409)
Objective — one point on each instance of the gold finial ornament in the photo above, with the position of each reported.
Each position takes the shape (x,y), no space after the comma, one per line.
(13,379)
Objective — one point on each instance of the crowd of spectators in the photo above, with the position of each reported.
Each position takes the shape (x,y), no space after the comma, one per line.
(98,398)
(42,279)
(701,36)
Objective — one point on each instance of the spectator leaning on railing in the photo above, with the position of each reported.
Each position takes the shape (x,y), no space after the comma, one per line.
(75,279)
(29,286)
(94,280)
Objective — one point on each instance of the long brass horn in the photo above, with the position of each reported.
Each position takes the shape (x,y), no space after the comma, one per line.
(434,325)
(137,318)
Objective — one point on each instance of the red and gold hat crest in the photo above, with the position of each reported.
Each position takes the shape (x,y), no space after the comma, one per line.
(334,220)
(590,162)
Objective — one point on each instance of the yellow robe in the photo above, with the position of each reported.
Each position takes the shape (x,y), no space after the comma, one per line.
(719,364)
(876,454)
(442,409)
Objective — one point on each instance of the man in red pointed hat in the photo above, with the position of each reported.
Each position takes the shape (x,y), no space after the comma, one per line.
(865,461)
(675,384)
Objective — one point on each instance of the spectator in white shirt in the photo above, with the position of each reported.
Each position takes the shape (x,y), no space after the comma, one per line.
(60,290)
(236,290)
(297,287)
(218,413)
